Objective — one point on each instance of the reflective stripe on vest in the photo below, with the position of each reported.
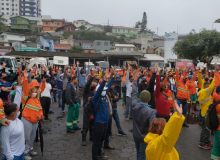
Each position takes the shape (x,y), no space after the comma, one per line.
(215,158)
(1,111)
(181,89)
(205,100)
(208,91)
(32,107)
(170,98)
(25,97)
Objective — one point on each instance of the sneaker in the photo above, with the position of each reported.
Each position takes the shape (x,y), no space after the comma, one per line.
(206,147)
(32,153)
(127,119)
(27,157)
(185,125)
(102,157)
(210,144)
(71,131)
(84,142)
(122,134)
(108,147)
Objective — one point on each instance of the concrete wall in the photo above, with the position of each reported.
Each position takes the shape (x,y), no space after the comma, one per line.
(126,32)
(84,45)
(124,49)
(6,37)
(101,45)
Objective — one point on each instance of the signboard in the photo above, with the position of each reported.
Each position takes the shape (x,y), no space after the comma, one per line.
(169,41)
(184,65)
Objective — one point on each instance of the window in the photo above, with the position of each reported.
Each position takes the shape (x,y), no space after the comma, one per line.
(12,4)
(13,20)
(3,13)
(144,41)
(106,43)
(2,8)
(98,43)
(76,22)
(123,30)
(67,29)
(51,28)
(128,49)
(16,14)
(68,42)
(118,30)
(121,49)
(13,26)
(12,13)
(70,29)
(7,13)
(46,22)
(23,21)
(3,4)
(7,8)
(7,4)
(131,31)
(23,27)
(58,23)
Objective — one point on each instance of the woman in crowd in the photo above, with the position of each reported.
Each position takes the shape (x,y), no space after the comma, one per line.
(12,136)
(32,112)
(161,98)
(162,137)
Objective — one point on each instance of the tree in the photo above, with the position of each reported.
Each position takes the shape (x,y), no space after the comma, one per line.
(2,25)
(76,49)
(82,28)
(144,22)
(203,46)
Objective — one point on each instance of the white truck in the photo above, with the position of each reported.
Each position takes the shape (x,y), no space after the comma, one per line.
(103,64)
(11,64)
(91,65)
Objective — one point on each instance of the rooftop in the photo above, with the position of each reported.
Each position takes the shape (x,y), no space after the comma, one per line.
(7,48)
(46,20)
(83,41)
(120,53)
(122,27)
(151,57)
(52,37)
(62,46)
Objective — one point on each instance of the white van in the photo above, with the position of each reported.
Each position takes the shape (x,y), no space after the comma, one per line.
(90,63)
(59,60)
(11,64)
(38,61)
(103,64)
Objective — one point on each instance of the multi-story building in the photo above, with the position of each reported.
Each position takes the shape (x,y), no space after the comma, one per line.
(124,47)
(101,45)
(10,7)
(79,23)
(31,8)
(50,25)
(128,32)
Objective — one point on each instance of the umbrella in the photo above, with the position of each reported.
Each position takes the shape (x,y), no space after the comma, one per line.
(41,138)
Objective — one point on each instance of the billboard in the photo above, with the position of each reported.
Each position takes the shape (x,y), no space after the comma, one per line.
(185,65)
(169,41)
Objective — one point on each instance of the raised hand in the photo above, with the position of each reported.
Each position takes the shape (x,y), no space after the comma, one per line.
(25,74)
(136,74)
(77,63)
(20,81)
(153,69)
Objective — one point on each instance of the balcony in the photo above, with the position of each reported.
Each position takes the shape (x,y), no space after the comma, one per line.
(28,7)
(31,3)
(31,12)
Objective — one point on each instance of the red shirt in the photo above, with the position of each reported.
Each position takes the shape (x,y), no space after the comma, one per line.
(162,105)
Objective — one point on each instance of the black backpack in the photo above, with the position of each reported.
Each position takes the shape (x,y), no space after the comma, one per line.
(211,117)
(89,109)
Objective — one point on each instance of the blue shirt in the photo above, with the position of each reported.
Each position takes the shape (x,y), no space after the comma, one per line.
(3,94)
(82,78)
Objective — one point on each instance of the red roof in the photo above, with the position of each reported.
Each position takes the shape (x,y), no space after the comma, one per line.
(7,47)
(121,27)
(62,46)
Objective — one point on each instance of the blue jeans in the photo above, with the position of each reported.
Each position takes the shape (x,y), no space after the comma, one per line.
(140,147)
(116,118)
(60,93)
(184,108)
(55,97)
(21,157)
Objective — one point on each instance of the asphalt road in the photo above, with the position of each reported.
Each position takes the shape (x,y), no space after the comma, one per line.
(60,145)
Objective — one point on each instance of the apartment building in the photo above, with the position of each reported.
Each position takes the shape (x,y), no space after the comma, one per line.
(30,8)
(9,7)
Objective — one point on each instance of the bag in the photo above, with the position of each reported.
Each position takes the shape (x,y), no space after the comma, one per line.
(64,96)
(211,117)
(89,111)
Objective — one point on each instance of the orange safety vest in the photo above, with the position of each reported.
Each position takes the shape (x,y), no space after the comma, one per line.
(170,98)
(182,89)
(2,113)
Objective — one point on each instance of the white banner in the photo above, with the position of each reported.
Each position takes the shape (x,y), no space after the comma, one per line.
(169,41)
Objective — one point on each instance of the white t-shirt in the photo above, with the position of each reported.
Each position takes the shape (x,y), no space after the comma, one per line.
(46,92)
(12,139)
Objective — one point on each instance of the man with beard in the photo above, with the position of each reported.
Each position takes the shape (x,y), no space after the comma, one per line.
(73,105)
(82,76)
(89,92)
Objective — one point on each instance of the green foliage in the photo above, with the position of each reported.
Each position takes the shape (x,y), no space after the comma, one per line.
(201,46)
(76,49)
(92,35)
(2,25)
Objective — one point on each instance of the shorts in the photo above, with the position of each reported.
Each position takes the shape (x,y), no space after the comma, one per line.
(193,98)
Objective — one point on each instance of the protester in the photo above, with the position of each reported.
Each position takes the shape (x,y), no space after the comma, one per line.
(12,136)
(161,98)
(101,117)
(5,87)
(72,101)
(205,99)
(143,115)
(162,137)
(32,112)
(117,85)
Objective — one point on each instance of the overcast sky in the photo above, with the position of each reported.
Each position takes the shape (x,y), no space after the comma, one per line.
(164,14)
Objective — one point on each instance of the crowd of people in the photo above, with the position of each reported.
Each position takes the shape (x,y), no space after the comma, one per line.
(158,102)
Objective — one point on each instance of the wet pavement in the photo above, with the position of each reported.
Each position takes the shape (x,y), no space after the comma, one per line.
(59,145)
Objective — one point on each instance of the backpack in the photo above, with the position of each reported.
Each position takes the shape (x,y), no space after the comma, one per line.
(89,111)
(211,118)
